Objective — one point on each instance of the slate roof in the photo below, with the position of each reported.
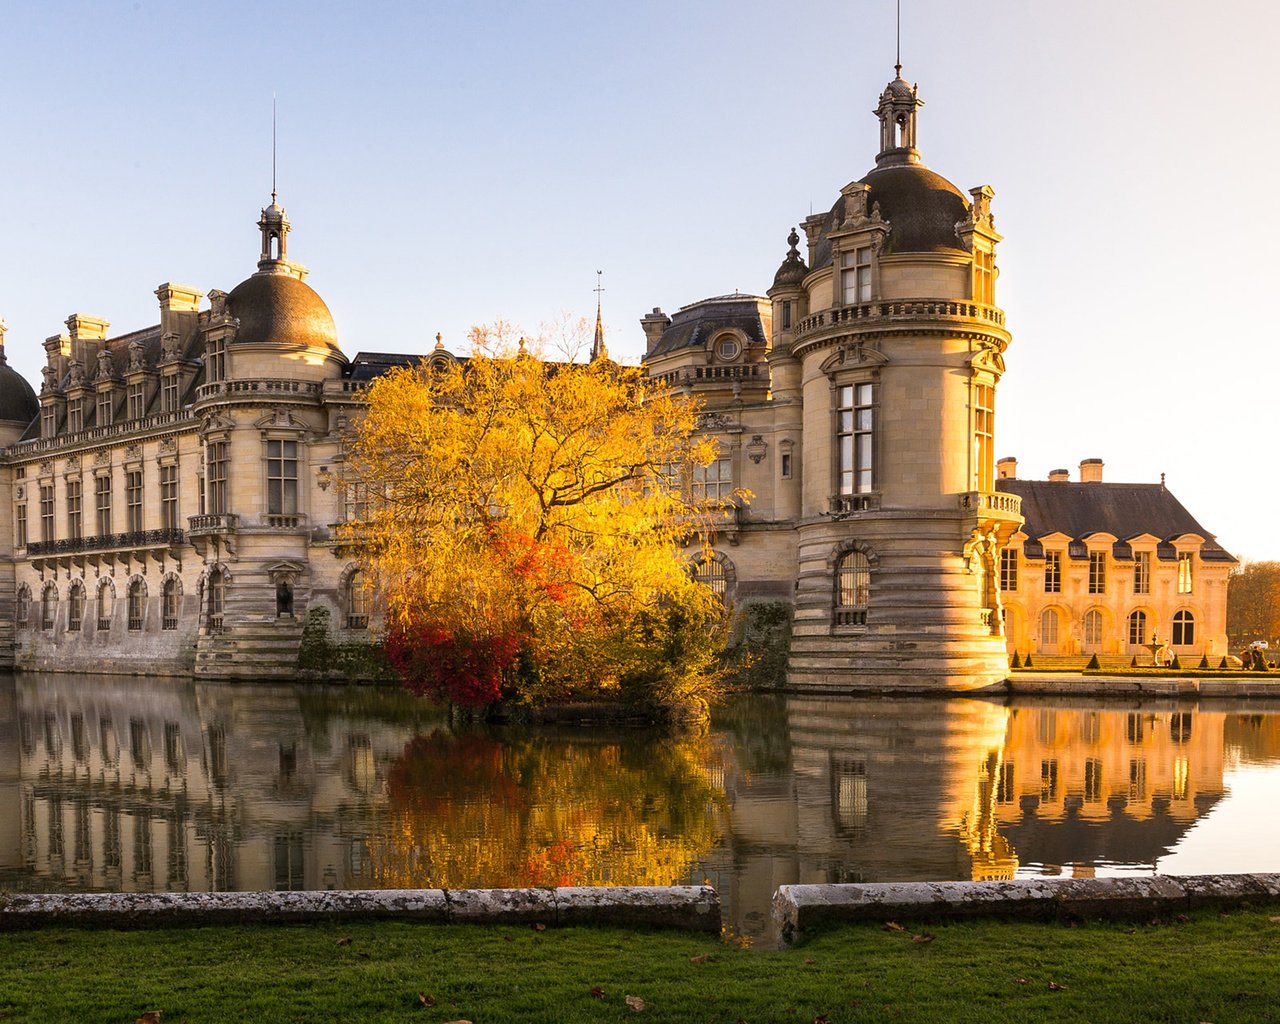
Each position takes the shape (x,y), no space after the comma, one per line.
(693,324)
(370,365)
(1123,510)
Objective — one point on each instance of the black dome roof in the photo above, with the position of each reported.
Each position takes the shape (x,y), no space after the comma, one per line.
(280,309)
(18,403)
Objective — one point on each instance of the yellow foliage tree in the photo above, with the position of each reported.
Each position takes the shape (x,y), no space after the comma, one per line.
(524,530)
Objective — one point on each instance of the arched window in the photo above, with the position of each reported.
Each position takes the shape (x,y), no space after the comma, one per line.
(137,603)
(106,605)
(1092,629)
(709,571)
(169,597)
(1138,628)
(217,600)
(1049,628)
(853,589)
(75,607)
(356,599)
(48,606)
(1184,629)
(24,607)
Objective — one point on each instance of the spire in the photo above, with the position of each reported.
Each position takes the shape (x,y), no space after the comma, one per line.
(598,351)
(3,328)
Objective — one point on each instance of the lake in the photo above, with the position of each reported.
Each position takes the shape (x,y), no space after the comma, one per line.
(151,784)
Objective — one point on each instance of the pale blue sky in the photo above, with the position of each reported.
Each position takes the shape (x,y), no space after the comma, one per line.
(452,163)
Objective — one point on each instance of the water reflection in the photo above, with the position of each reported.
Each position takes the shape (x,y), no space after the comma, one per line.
(165,784)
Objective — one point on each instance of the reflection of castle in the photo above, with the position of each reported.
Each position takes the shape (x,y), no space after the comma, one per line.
(142,785)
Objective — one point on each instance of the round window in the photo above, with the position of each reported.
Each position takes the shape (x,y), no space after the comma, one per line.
(728,348)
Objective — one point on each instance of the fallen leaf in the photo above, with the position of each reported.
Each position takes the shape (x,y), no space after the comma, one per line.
(701,958)
(1020,981)
(457,1022)
(507,938)
(597,991)
(893,926)
(811,961)
(150,1017)
(1274,920)
(425,999)
(345,940)
(821,1019)
(922,937)
(538,926)
(1055,987)
(636,1003)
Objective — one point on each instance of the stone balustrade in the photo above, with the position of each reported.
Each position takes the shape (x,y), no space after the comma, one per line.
(266,387)
(135,540)
(991,501)
(900,309)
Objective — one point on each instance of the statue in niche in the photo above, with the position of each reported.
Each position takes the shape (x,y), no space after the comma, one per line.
(105,369)
(284,600)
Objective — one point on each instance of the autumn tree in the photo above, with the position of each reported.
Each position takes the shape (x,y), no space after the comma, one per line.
(524,531)
(1253,602)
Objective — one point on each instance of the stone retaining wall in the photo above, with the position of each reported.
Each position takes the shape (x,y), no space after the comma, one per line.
(1192,687)
(686,907)
(799,908)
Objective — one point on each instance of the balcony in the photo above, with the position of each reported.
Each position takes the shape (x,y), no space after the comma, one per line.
(284,521)
(266,387)
(900,310)
(995,504)
(212,525)
(108,548)
(842,506)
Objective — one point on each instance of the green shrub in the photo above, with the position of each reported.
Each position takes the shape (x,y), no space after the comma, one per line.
(1016,662)
(1133,662)
(1027,662)
(1093,662)
(1204,661)
(1176,664)
(1225,663)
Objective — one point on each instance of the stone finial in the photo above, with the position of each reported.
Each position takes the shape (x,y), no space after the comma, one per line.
(105,370)
(137,355)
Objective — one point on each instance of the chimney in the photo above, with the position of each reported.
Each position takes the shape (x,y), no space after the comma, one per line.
(1059,476)
(1007,468)
(654,324)
(179,309)
(1091,471)
(87,335)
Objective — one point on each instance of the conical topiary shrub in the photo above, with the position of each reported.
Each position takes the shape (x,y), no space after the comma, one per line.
(1027,661)
(1016,662)
(1093,662)
(1133,662)
(1225,663)
(1176,663)
(1204,661)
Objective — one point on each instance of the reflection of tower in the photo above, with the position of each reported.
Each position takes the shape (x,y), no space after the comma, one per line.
(10,788)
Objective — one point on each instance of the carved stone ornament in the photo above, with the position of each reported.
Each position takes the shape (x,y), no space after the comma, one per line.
(324,478)
(102,457)
(855,204)
(169,446)
(757,449)
(75,369)
(133,453)
(137,355)
(217,303)
(50,376)
(713,421)
(73,462)
(46,467)
(21,492)
(216,421)
(170,347)
(105,369)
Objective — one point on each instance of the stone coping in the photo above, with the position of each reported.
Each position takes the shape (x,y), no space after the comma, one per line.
(1192,687)
(798,908)
(686,907)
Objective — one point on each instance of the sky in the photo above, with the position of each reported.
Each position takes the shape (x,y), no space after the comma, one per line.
(452,163)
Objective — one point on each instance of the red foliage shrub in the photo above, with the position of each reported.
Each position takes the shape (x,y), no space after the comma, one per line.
(434,661)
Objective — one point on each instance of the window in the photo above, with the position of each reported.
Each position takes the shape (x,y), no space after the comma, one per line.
(48,420)
(1092,629)
(984,265)
(1049,628)
(713,481)
(48,606)
(1137,628)
(854,437)
(21,526)
(217,600)
(104,408)
(984,428)
(137,604)
(1097,572)
(75,607)
(282,477)
(1009,569)
(1049,779)
(1006,790)
(135,398)
(1184,572)
(102,496)
(1053,572)
(786,465)
(46,511)
(1138,778)
(853,589)
(1142,572)
(133,500)
(23,614)
(169,596)
(1184,629)
(786,314)
(1133,727)
(1093,780)
(855,275)
(106,605)
(169,393)
(215,360)
(355,499)
(727,348)
(169,497)
(75,519)
(357,609)
(75,415)
(216,456)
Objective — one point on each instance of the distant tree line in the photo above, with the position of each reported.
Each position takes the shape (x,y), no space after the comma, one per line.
(1253,602)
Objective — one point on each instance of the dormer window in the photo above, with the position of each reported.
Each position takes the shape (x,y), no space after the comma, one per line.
(984,276)
(136,396)
(104,408)
(855,275)
(728,348)
(1184,572)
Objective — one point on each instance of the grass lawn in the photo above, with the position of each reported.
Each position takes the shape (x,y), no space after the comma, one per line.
(1211,967)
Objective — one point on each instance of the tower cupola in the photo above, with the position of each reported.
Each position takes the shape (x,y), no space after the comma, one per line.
(897,112)
(274,225)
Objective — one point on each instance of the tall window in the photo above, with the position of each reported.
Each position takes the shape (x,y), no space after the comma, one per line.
(215,360)
(1142,572)
(217,600)
(357,606)
(106,605)
(854,436)
(282,477)
(75,515)
(137,604)
(1092,629)
(21,526)
(855,275)
(75,415)
(786,314)
(216,456)
(1009,569)
(48,606)
(75,606)
(105,402)
(48,420)
(713,481)
(46,512)
(1093,780)
(1053,572)
(135,398)
(1097,572)
(355,499)
(1184,629)
(710,572)
(133,500)
(102,496)
(1049,628)
(1184,572)
(1137,628)
(984,277)
(984,428)
(23,614)
(169,596)
(169,497)
(853,589)
(169,393)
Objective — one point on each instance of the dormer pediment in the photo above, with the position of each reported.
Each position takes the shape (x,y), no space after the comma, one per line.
(854,356)
(1055,539)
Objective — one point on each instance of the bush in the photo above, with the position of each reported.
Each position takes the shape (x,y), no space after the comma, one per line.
(1016,662)
(1027,662)
(1093,662)
(1204,661)
(1225,663)
(1133,662)
(1176,664)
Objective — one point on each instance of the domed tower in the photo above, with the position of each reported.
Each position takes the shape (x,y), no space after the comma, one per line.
(899,348)
(18,402)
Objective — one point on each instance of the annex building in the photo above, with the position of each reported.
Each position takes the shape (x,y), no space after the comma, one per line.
(171,497)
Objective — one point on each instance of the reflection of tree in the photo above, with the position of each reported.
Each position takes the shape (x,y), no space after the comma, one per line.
(470,811)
